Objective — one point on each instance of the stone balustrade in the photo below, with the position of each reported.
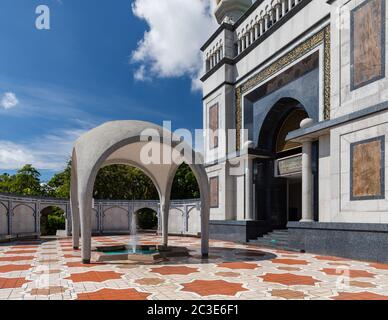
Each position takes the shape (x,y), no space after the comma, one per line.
(20,216)
(214,55)
(261,20)
(245,33)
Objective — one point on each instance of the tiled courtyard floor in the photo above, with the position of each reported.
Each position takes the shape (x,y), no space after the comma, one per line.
(52,270)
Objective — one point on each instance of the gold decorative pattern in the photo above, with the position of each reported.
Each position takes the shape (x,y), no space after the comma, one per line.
(327,74)
(322,36)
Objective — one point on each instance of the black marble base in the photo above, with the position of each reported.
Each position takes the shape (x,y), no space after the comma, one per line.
(237,231)
(349,240)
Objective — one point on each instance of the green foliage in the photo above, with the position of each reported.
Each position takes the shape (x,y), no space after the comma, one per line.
(59,184)
(25,182)
(116,182)
(185,184)
(120,182)
(147,219)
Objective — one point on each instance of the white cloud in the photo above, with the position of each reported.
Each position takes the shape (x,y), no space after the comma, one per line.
(140,74)
(47,152)
(9,100)
(171,46)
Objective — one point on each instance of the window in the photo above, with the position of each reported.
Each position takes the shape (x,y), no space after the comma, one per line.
(213,126)
(214,191)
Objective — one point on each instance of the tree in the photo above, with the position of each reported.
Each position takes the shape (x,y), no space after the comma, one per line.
(121,182)
(26,182)
(5,183)
(59,184)
(185,184)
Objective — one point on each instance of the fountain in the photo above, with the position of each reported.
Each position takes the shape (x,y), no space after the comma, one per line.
(136,252)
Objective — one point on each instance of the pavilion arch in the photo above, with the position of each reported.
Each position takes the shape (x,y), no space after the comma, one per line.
(118,141)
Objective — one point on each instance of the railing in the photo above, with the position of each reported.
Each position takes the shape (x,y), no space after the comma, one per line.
(252,29)
(263,19)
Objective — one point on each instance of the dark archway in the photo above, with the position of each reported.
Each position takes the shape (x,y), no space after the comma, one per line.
(147,219)
(278,176)
(52,219)
(280,117)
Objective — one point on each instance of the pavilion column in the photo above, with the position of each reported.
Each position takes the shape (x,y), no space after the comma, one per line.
(307,185)
(165,209)
(75,228)
(248,189)
(85,208)
(68,221)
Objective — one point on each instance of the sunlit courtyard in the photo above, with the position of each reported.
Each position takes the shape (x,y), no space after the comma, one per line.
(51,269)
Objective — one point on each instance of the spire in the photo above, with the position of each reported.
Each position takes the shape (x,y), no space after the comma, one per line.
(230,11)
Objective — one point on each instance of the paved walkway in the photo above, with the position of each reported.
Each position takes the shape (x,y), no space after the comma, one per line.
(52,270)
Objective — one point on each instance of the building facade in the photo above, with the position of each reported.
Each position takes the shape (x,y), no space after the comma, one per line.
(303,86)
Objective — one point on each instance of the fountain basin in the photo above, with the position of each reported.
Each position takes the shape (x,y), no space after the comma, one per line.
(142,253)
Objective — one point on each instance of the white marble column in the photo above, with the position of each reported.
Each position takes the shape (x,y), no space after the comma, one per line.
(307,185)
(249,189)
(289,5)
(261,27)
(277,10)
(256,31)
(165,209)
(283,7)
(85,208)
(238,46)
(266,19)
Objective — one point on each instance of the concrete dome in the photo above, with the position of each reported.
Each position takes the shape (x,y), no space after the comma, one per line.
(127,142)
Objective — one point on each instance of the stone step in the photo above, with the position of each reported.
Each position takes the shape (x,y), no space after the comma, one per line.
(276,236)
(272,246)
(266,241)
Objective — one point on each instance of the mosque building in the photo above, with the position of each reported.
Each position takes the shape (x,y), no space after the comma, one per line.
(303,85)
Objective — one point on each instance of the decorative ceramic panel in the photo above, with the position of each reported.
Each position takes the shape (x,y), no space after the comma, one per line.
(213,126)
(367,169)
(214,192)
(367,43)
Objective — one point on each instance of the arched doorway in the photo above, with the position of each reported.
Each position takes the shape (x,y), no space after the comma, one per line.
(278,176)
(52,219)
(146,220)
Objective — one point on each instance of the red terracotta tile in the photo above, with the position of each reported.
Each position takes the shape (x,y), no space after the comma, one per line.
(289,279)
(94,276)
(168,270)
(20,251)
(114,294)
(17,258)
(14,267)
(213,287)
(379,266)
(10,283)
(77,264)
(238,265)
(290,261)
(348,272)
(287,294)
(359,296)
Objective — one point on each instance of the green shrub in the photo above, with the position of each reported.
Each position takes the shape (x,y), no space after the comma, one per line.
(55,223)
(147,219)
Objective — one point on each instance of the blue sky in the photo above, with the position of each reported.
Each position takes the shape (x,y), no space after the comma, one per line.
(95,64)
